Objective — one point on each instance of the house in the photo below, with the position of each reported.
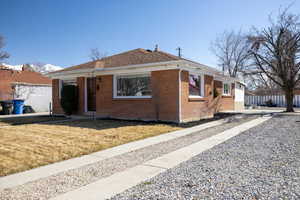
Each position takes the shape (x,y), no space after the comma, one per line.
(149,85)
(26,84)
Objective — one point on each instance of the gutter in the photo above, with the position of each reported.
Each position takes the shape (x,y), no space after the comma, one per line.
(175,64)
(31,84)
(179,95)
(101,69)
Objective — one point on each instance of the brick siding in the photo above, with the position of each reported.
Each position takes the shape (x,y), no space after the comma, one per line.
(164,104)
(195,109)
(226,102)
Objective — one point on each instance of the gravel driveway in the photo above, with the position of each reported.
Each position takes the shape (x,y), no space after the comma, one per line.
(261,163)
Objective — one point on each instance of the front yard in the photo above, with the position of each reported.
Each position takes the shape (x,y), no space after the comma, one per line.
(27,146)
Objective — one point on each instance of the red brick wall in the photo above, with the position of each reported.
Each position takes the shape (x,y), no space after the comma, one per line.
(57,109)
(195,109)
(81,94)
(226,102)
(166,87)
(162,106)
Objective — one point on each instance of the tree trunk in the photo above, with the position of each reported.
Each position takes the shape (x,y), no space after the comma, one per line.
(289,97)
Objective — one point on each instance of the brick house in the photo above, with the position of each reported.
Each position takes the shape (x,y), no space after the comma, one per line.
(149,85)
(31,86)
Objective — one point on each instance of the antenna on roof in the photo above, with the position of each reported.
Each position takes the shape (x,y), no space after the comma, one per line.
(156,48)
(179,51)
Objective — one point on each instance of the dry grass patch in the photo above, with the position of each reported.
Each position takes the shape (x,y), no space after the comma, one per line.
(28,146)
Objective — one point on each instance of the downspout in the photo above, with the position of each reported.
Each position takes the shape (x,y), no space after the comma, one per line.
(179,95)
(85,95)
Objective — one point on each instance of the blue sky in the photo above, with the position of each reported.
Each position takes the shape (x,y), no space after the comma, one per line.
(62,32)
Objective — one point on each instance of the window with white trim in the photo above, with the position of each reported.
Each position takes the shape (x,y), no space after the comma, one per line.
(132,86)
(196,85)
(226,89)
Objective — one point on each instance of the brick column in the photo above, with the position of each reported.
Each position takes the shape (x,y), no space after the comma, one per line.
(81,94)
(57,109)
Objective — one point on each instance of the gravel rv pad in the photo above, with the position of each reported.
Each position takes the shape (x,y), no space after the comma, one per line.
(261,163)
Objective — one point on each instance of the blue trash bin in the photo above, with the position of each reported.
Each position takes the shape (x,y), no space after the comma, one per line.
(18,106)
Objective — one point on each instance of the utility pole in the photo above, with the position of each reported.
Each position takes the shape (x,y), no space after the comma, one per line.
(179,51)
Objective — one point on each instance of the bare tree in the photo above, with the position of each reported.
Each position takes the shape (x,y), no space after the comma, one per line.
(38,66)
(276,53)
(232,51)
(95,54)
(259,82)
(22,91)
(3,54)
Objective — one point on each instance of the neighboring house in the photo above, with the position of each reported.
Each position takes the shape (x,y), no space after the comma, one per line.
(26,84)
(149,85)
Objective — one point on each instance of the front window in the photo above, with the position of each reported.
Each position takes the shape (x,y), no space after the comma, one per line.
(132,86)
(195,85)
(226,89)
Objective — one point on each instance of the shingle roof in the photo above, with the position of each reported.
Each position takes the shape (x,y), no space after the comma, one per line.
(23,77)
(133,57)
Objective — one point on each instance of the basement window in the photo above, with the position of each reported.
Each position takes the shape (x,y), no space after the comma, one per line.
(196,86)
(132,86)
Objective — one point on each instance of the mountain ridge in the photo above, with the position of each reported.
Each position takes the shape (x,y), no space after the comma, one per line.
(41,68)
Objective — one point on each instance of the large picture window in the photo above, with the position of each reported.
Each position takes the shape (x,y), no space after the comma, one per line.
(196,85)
(132,86)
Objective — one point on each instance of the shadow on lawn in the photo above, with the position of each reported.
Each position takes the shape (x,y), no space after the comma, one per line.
(28,120)
(100,124)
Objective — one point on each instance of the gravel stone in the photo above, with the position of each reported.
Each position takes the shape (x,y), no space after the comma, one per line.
(52,186)
(261,163)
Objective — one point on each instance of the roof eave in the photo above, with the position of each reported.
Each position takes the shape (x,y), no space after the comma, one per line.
(100,71)
(157,66)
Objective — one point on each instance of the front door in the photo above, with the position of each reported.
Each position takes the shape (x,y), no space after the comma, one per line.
(91,94)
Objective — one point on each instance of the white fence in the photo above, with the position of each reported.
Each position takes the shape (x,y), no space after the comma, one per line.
(279,100)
